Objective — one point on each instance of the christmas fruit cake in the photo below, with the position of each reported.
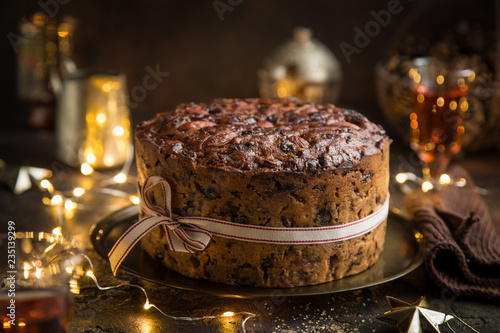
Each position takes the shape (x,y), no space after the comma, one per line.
(268,162)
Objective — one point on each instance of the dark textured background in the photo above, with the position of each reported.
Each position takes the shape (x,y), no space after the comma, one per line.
(208,58)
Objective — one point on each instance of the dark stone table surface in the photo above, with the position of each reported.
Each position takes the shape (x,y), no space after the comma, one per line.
(122,310)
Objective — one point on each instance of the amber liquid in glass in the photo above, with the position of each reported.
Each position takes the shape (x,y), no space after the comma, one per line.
(437,124)
(37,311)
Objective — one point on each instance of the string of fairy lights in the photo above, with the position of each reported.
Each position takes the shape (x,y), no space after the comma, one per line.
(68,260)
(69,201)
(427,185)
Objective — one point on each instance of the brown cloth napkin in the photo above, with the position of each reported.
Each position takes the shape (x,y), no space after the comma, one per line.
(462,247)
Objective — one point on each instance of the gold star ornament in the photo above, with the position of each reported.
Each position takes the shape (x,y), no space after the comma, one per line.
(414,317)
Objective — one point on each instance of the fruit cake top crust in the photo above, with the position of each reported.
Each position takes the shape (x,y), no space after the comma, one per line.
(257,134)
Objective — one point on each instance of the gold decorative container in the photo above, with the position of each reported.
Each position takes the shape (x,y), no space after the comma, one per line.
(302,68)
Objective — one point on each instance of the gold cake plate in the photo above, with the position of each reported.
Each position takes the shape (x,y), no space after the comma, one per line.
(402,254)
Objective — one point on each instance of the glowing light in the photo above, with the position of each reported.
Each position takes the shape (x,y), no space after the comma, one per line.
(69,270)
(401,178)
(460,129)
(78,192)
(56,200)
(472,76)
(38,273)
(417,78)
(109,160)
(118,131)
(444,179)
(57,231)
(74,287)
(86,169)
(427,186)
(412,72)
(440,79)
(90,274)
(430,146)
(38,19)
(413,116)
(147,305)
(464,105)
(441,148)
(106,87)
(453,105)
(45,184)
(6,324)
(100,118)
(69,205)
(440,101)
(120,178)
(420,98)
(281,92)
(228,314)
(135,199)
(26,266)
(90,158)
(21,323)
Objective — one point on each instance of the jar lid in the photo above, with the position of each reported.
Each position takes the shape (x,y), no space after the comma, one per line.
(304,58)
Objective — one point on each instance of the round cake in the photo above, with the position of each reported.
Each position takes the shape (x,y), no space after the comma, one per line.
(274,163)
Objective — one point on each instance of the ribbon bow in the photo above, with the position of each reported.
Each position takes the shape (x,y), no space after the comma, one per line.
(182,232)
(190,233)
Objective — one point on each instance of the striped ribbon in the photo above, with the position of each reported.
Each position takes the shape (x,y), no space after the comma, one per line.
(188,233)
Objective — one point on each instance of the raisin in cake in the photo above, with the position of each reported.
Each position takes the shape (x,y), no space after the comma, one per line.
(268,162)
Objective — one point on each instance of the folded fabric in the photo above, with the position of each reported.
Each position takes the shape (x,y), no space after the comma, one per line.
(462,247)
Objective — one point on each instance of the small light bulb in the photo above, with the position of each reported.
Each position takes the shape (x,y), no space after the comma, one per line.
(57,231)
(86,169)
(109,160)
(444,179)
(56,200)
(90,158)
(45,184)
(78,192)
(401,178)
(69,270)
(69,205)
(38,273)
(118,131)
(147,305)
(135,199)
(101,118)
(90,274)
(120,178)
(427,186)
(228,314)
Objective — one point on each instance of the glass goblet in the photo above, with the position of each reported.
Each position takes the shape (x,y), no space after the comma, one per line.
(439,94)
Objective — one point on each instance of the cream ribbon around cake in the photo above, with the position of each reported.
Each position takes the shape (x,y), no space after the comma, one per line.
(190,233)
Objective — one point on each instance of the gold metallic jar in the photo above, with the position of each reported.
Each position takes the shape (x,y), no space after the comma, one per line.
(302,68)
